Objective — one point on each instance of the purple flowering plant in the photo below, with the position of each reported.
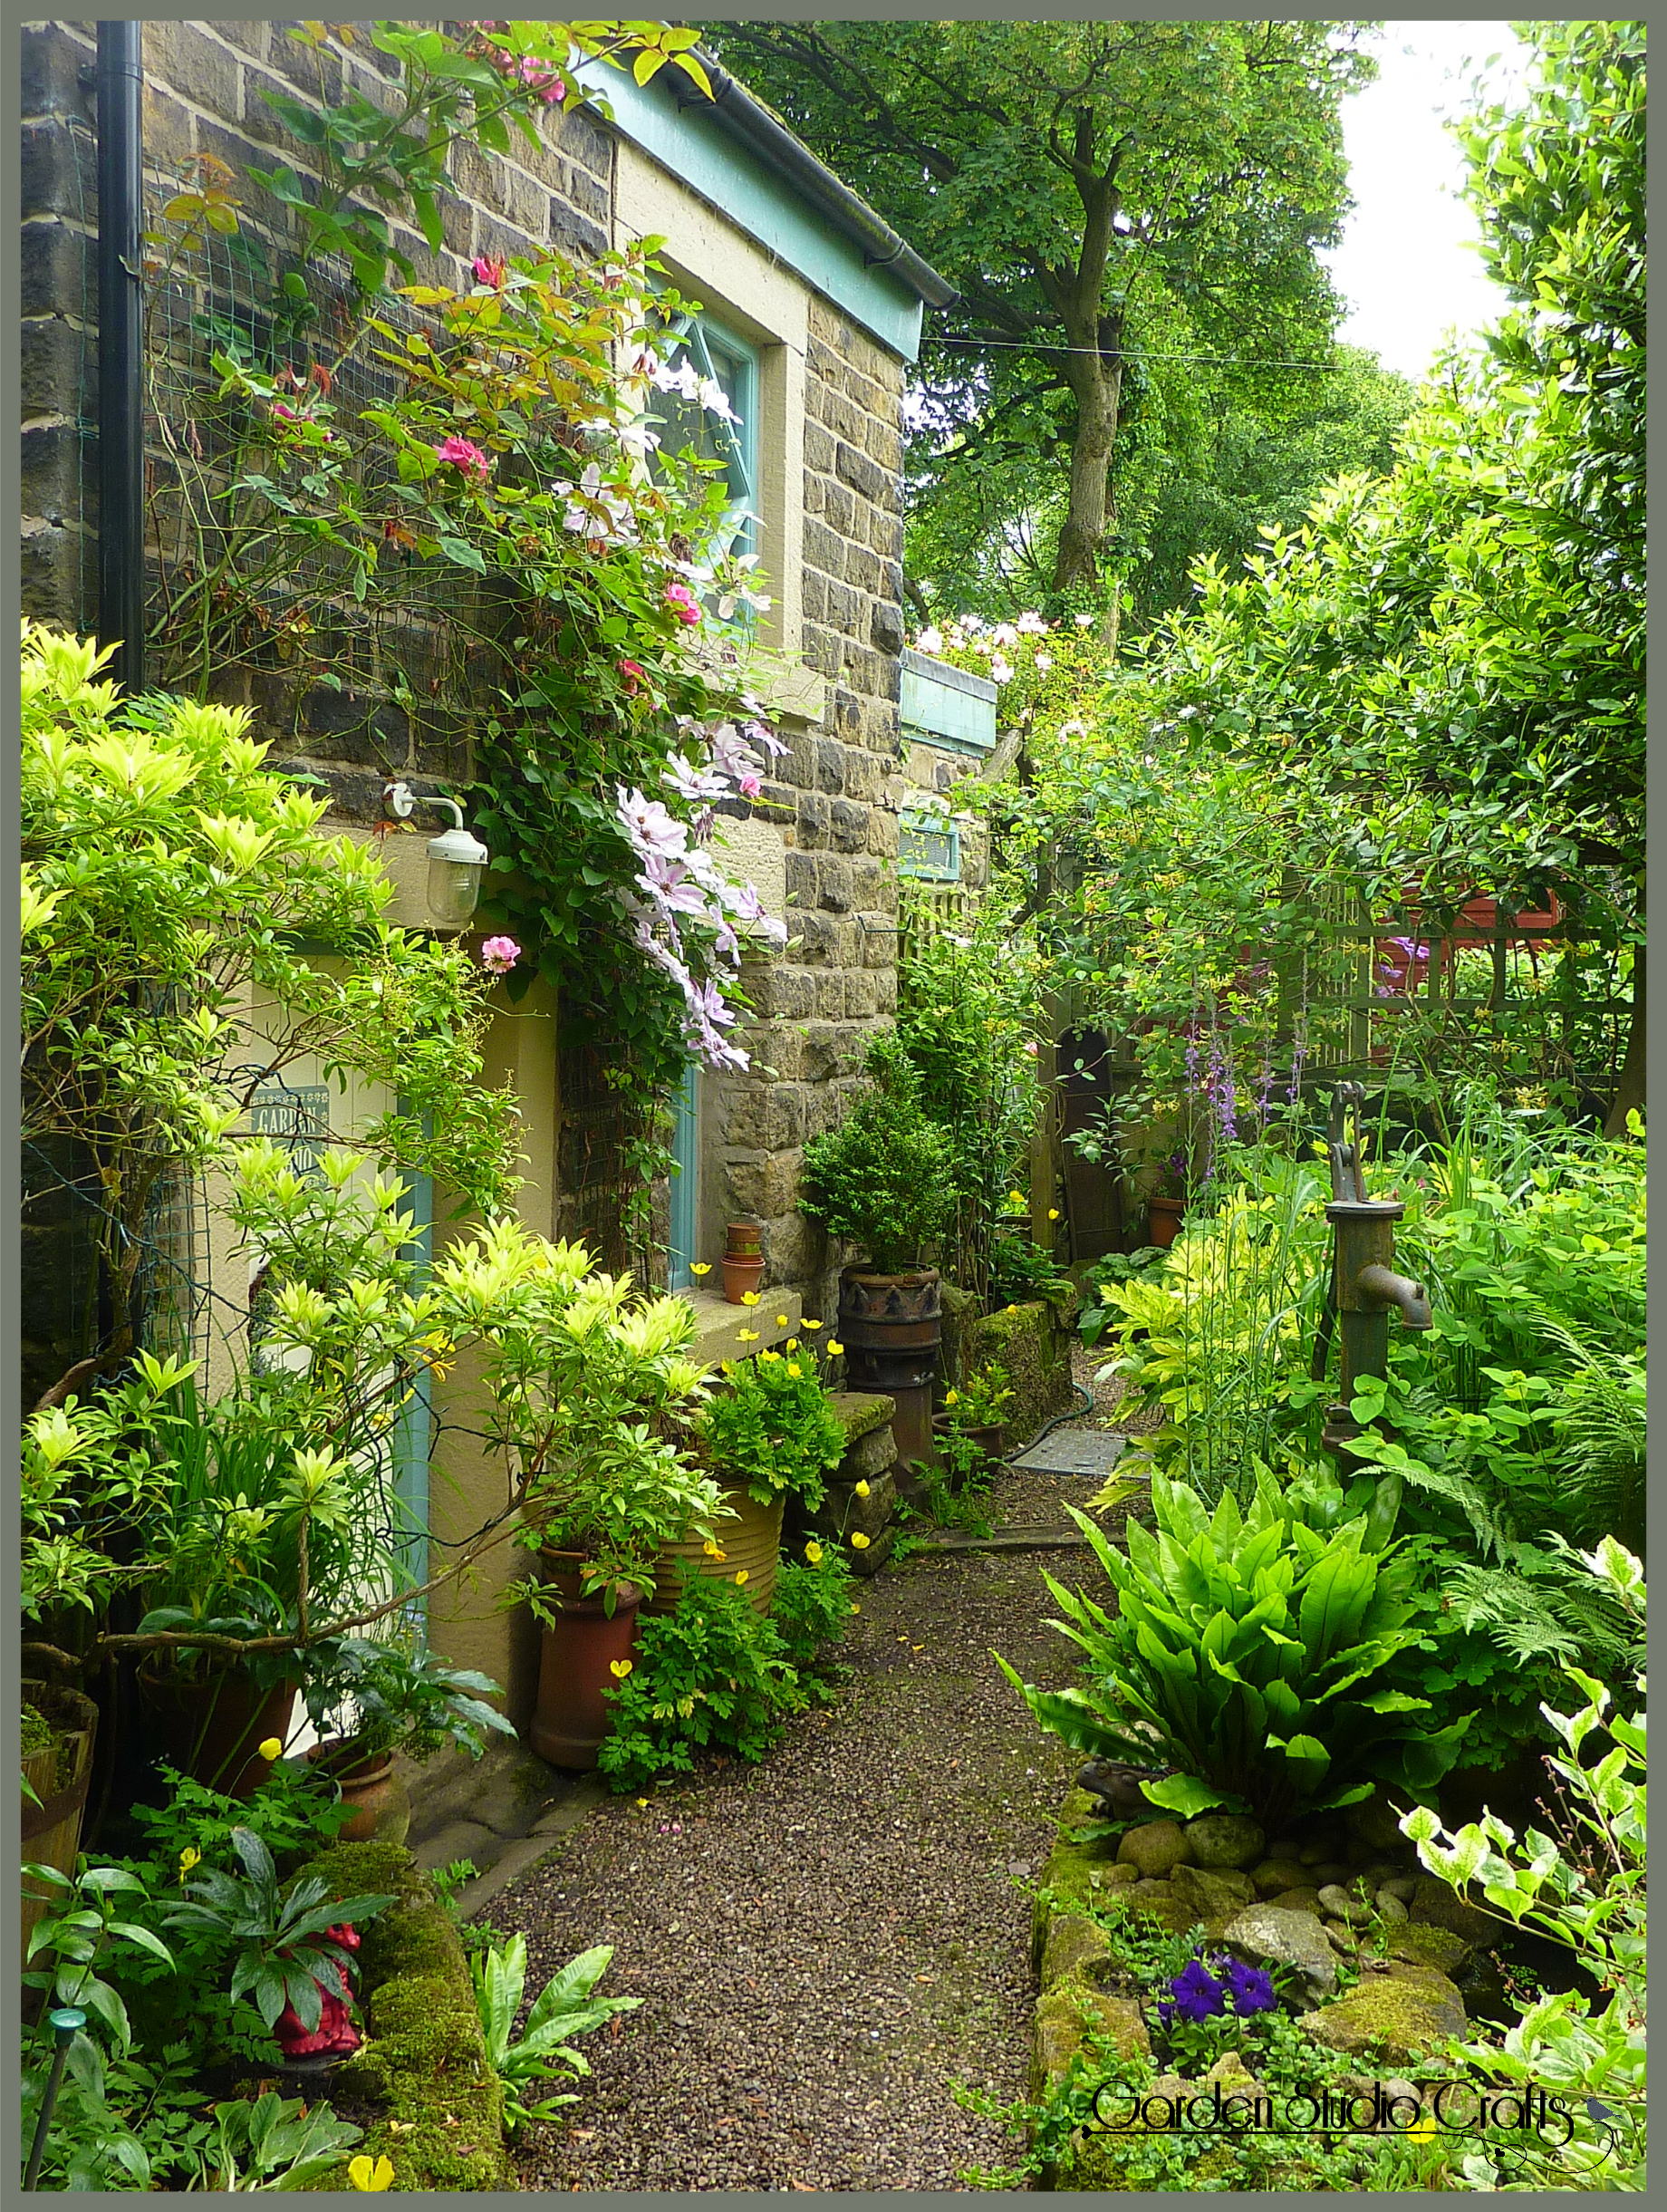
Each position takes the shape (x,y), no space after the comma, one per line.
(1210,1996)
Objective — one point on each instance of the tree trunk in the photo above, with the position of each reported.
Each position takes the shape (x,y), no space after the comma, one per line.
(1630,1084)
(1097,386)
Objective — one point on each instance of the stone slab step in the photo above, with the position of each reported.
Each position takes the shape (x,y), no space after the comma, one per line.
(1081,1452)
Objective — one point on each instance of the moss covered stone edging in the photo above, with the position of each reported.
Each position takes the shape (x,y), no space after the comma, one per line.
(424,2058)
(1030,1341)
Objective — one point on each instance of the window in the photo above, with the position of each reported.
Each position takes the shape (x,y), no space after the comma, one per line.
(732,365)
(928,843)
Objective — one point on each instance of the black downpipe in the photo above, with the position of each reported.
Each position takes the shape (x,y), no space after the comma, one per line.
(121,418)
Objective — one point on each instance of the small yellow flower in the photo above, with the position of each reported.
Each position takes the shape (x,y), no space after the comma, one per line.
(856,1608)
(366,2174)
(795,1369)
(808,1323)
(696,1267)
(861,1489)
(1012,1308)
(750,1298)
(781,1320)
(740,1576)
(951,1397)
(1052,1213)
(1016,1198)
(769,1355)
(619,1668)
(859,1541)
(711,1550)
(812,1553)
(272,1748)
(1422,2130)
(793,1343)
(834,1349)
(189,1858)
(747,1336)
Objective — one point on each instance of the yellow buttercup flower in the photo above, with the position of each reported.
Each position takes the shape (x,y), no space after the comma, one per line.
(861,1489)
(793,1343)
(365,2173)
(834,1349)
(808,1323)
(747,1336)
(812,1553)
(1012,1308)
(272,1748)
(856,1608)
(750,1298)
(189,1858)
(951,1397)
(642,1801)
(781,1320)
(1016,1198)
(860,1541)
(619,1668)
(711,1550)
(696,1267)
(1052,1213)
(740,1576)
(1422,2130)
(766,1354)
(795,1369)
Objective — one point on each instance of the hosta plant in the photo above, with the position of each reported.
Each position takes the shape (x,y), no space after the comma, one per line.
(1253,1653)
(544,2050)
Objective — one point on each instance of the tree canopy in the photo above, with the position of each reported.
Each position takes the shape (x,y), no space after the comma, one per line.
(1099,192)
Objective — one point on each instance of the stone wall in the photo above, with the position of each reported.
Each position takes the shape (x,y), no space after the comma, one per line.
(835,800)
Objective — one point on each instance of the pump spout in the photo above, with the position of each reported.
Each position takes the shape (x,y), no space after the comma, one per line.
(1384,1287)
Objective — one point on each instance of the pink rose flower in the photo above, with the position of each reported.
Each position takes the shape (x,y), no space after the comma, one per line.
(750,787)
(464,455)
(499,955)
(490,269)
(635,676)
(683,603)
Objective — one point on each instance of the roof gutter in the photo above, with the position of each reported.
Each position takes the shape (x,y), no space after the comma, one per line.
(744,117)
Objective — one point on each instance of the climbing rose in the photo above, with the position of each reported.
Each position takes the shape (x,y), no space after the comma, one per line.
(683,603)
(499,955)
(462,455)
(635,675)
(490,269)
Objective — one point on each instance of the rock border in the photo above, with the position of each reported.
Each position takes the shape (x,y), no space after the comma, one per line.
(424,2056)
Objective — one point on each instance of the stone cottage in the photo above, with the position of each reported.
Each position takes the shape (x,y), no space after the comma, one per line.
(812,309)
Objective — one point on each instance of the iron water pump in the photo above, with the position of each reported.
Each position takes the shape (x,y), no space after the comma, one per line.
(1364,1285)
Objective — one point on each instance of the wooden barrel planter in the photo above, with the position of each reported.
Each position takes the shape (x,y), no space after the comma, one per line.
(572,1720)
(59,1773)
(751,1545)
(209,1726)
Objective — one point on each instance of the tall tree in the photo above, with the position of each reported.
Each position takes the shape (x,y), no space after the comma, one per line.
(1087,187)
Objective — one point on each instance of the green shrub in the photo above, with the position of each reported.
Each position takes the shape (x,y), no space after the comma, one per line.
(711,1674)
(1252,1653)
(813,1603)
(884,1178)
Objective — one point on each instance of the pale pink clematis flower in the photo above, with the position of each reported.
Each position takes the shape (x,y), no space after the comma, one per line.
(650,828)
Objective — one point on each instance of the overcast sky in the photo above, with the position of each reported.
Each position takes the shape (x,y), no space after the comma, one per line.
(1404,264)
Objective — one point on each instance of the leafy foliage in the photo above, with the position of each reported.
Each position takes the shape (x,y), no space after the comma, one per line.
(1096,191)
(774,1428)
(1583,1885)
(1252,1652)
(282,1952)
(405,1700)
(882,1178)
(565,2008)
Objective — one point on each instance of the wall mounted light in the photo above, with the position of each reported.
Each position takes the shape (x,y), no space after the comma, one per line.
(456,857)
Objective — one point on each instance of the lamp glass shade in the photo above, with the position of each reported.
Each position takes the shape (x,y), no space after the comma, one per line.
(455,862)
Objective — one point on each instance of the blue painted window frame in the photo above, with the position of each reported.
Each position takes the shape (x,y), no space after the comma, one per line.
(719,353)
(685,1223)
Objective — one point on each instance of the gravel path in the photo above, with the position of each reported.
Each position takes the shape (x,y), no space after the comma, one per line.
(824,1943)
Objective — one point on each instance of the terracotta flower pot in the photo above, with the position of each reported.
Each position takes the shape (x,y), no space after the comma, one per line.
(59,1773)
(751,1545)
(989,1440)
(743,1261)
(209,1726)
(1164,1216)
(381,1803)
(578,1662)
